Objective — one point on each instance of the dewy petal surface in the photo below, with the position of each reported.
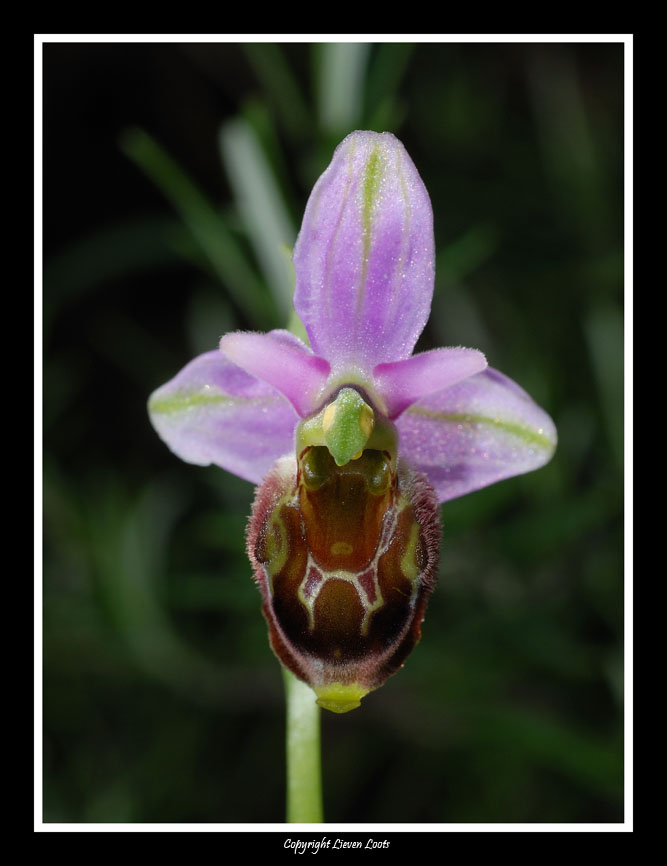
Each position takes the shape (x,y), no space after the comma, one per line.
(405,382)
(282,360)
(214,412)
(364,258)
(476,433)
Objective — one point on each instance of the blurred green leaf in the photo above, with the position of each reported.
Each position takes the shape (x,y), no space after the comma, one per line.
(110,254)
(342,71)
(604,331)
(568,145)
(386,69)
(260,203)
(129,544)
(205,223)
(209,317)
(558,746)
(281,86)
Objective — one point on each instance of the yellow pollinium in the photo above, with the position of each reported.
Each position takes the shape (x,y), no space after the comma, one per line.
(328,417)
(340,698)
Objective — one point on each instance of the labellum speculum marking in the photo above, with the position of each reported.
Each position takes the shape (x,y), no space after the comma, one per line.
(344,547)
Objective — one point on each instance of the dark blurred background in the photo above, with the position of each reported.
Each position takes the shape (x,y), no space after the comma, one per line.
(172,175)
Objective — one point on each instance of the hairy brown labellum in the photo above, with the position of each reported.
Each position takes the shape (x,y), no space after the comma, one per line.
(345,558)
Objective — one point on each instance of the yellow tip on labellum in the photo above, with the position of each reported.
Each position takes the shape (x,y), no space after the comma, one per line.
(340,698)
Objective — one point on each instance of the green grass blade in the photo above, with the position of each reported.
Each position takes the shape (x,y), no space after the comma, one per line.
(206,225)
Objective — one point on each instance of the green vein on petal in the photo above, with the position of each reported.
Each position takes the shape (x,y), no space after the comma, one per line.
(371,185)
(525,433)
(184,400)
(370,189)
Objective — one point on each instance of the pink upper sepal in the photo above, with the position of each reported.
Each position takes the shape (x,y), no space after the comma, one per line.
(364,259)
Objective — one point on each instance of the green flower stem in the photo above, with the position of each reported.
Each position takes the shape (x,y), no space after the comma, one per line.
(304,773)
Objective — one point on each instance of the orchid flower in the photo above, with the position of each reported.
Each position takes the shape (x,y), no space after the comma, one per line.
(353,440)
